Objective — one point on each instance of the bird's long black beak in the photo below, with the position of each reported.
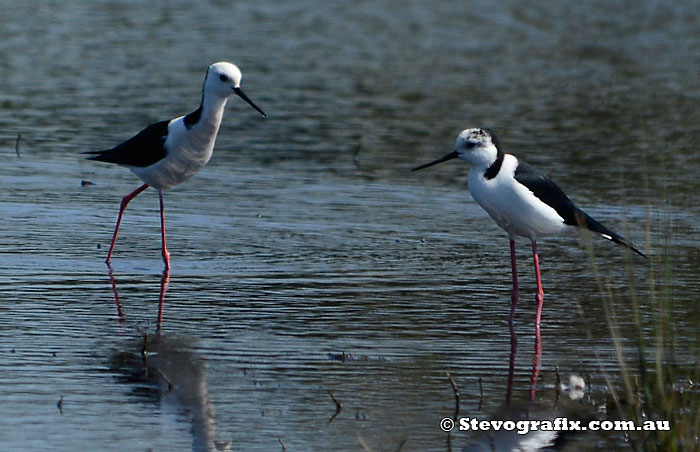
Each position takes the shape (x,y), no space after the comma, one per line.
(242,95)
(450,156)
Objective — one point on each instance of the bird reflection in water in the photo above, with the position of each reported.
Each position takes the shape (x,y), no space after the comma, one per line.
(568,407)
(164,370)
(513,353)
(164,282)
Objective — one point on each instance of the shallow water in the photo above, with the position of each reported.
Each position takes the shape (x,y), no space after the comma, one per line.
(306,239)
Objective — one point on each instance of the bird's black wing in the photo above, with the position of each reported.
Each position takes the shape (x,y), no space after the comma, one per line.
(587,222)
(143,149)
(549,192)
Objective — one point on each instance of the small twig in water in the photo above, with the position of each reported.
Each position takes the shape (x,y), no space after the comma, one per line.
(456,391)
(144,353)
(170,383)
(356,152)
(284,448)
(557,390)
(17,144)
(363,443)
(401,444)
(144,345)
(481,393)
(59,404)
(338,407)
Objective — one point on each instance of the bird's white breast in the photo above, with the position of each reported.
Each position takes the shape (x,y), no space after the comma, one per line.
(512,205)
(188,151)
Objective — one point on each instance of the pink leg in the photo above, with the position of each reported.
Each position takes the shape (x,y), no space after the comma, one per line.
(514,294)
(513,340)
(113,283)
(165,280)
(166,255)
(539,298)
(125,202)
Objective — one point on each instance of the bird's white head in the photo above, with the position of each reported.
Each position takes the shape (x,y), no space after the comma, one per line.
(224,79)
(478,147)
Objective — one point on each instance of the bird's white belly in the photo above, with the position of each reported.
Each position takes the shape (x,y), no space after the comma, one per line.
(193,151)
(513,207)
(173,169)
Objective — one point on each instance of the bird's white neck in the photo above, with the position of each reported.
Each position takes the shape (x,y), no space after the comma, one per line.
(212,111)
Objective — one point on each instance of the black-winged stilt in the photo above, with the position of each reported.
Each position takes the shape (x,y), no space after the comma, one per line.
(521,200)
(169,152)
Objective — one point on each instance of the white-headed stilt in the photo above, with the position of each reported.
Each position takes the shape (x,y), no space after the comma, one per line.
(521,200)
(169,152)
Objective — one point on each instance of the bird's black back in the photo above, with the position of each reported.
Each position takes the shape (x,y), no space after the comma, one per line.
(143,149)
(549,192)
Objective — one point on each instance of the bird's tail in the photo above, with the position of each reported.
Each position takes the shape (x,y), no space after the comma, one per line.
(585,221)
(95,155)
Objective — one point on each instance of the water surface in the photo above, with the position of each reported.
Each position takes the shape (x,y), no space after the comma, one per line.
(306,257)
